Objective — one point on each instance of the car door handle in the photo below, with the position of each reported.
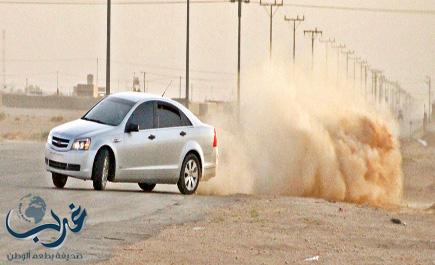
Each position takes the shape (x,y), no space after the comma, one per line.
(152,137)
(183,133)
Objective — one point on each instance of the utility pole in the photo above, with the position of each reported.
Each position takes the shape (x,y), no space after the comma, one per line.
(187,50)
(180,88)
(381,87)
(428,81)
(366,67)
(313,34)
(96,76)
(271,4)
(295,20)
(375,74)
(362,75)
(239,15)
(356,60)
(4,58)
(144,81)
(348,52)
(327,42)
(57,83)
(339,47)
(109,6)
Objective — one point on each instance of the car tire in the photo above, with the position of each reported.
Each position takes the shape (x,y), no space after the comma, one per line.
(100,171)
(190,175)
(147,187)
(59,180)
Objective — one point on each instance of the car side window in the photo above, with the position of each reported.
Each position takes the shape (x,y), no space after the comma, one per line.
(168,116)
(185,120)
(143,116)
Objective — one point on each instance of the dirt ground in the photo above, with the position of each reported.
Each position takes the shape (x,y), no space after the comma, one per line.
(281,230)
(33,125)
(287,230)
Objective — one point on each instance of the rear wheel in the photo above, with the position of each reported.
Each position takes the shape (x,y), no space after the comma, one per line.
(189,175)
(147,187)
(100,172)
(59,180)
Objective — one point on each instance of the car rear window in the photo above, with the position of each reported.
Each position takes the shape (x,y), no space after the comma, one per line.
(168,116)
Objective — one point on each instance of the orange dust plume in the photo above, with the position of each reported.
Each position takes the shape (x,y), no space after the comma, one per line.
(307,137)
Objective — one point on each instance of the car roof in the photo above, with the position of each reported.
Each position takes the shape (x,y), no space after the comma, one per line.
(137,97)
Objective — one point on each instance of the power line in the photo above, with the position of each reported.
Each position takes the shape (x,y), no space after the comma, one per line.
(127,3)
(92,59)
(366,9)
(176,2)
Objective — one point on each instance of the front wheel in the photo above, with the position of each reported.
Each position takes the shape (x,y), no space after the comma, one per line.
(100,172)
(59,180)
(189,175)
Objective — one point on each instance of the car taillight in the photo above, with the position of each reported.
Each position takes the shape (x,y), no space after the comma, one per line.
(215,139)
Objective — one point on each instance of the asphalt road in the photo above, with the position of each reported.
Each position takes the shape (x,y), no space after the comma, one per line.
(118,216)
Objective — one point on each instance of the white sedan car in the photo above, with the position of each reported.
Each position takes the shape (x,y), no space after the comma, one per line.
(134,137)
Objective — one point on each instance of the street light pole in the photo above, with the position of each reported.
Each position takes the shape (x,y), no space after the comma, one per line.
(109,5)
(187,51)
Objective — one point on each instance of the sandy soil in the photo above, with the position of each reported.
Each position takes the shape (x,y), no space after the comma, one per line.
(286,230)
(33,125)
(281,230)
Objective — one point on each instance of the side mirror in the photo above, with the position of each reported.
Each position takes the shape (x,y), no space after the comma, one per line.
(131,127)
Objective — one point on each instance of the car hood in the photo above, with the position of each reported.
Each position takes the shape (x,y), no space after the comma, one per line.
(80,128)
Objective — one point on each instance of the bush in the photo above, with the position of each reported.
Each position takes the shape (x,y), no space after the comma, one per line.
(56,119)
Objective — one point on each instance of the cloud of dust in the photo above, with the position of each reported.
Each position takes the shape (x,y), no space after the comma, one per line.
(306,137)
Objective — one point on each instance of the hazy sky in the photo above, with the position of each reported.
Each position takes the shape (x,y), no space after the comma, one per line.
(41,40)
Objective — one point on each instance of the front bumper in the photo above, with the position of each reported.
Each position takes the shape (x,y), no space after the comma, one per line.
(77,164)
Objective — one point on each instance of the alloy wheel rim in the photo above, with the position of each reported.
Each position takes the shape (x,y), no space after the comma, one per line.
(105,169)
(191,175)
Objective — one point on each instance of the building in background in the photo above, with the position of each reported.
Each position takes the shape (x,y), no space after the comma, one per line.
(136,84)
(89,89)
(33,90)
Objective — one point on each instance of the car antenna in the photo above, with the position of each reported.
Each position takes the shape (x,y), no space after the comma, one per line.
(167,88)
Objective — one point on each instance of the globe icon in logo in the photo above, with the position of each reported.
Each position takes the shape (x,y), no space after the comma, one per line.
(32,208)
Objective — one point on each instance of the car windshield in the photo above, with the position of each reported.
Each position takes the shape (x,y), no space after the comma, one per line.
(110,111)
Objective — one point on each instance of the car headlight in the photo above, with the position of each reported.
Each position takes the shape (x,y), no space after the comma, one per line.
(49,138)
(81,144)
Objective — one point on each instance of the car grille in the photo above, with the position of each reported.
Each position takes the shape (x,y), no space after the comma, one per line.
(63,166)
(59,142)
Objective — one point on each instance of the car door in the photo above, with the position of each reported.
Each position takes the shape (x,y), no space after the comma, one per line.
(171,137)
(136,154)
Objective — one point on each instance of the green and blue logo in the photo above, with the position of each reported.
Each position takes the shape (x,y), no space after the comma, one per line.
(31,211)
